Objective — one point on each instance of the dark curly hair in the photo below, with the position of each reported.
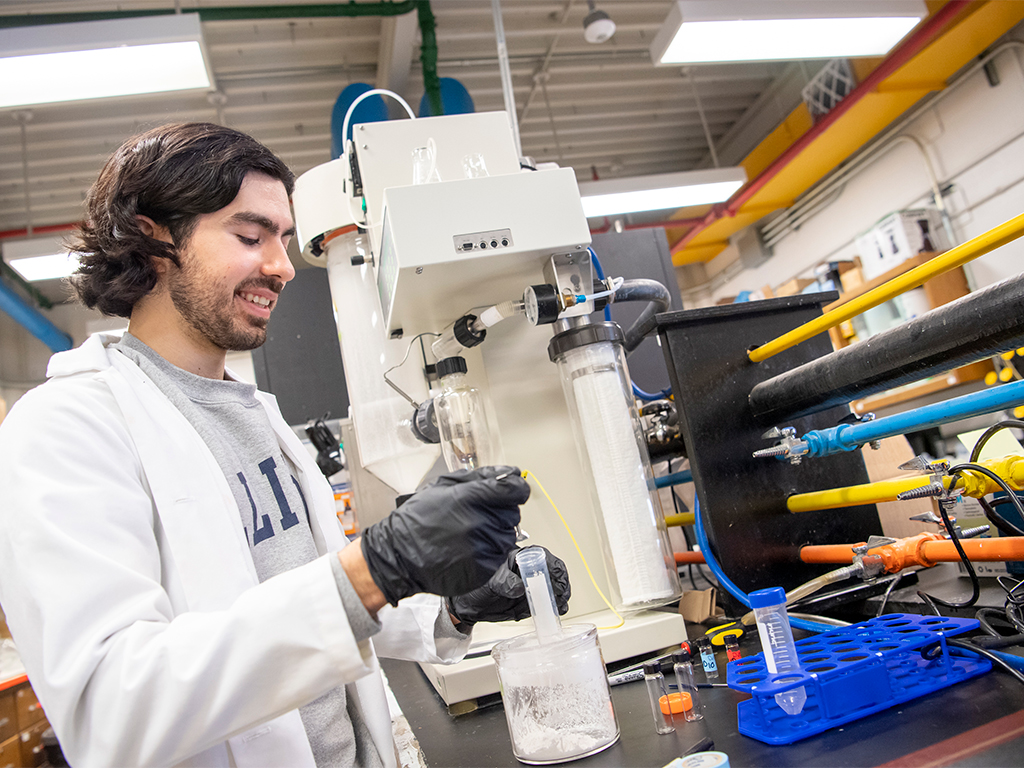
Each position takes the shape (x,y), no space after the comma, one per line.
(172,174)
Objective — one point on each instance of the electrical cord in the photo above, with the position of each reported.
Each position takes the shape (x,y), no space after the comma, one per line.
(931,600)
(1011,495)
(1004,525)
(885,598)
(995,658)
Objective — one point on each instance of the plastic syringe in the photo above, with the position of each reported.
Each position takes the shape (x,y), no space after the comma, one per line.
(533,568)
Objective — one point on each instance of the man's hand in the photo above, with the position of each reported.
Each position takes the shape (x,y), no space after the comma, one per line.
(503,597)
(450,537)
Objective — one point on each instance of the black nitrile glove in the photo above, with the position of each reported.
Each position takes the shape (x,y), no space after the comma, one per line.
(503,597)
(449,537)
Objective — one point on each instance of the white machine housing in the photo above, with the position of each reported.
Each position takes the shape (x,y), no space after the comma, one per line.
(426,278)
(477,239)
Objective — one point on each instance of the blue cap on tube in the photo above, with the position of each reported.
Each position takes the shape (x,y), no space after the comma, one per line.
(762,598)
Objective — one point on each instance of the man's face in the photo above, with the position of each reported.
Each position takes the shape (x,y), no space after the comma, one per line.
(234,266)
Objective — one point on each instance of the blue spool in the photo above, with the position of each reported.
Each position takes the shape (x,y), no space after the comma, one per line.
(454,98)
(370,110)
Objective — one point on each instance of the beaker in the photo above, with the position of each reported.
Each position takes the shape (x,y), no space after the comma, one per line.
(557,701)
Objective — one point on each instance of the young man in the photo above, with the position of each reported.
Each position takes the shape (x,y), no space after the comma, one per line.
(170,562)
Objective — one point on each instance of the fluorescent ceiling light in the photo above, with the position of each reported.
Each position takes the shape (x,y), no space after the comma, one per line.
(99,59)
(40,259)
(703,31)
(661,191)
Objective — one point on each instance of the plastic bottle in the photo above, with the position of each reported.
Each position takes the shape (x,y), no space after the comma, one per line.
(461,419)
(687,684)
(769,607)
(657,691)
(707,658)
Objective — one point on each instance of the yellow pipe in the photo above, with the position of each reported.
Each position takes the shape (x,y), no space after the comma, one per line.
(975,484)
(686,518)
(957,257)
(851,496)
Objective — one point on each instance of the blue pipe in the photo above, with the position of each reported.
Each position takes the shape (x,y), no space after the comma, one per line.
(32,320)
(848,437)
(732,589)
(676,478)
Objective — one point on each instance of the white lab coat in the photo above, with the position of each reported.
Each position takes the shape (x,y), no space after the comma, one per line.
(127,581)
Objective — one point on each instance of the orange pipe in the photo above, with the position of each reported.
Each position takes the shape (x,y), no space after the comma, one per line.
(828,553)
(925,549)
(689,558)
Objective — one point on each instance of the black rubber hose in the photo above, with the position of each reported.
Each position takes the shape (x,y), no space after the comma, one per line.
(660,300)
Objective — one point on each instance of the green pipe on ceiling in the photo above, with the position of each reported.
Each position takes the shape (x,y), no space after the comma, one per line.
(428,53)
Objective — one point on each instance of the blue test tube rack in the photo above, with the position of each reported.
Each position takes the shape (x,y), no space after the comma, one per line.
(852,672)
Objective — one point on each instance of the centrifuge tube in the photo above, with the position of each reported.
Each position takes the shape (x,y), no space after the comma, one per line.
(777,643)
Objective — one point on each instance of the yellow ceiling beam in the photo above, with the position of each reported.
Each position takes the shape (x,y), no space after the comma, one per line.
(974,30)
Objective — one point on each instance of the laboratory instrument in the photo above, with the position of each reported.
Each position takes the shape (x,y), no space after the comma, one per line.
(687,684)
(658,692)
(777,645)
(452,260)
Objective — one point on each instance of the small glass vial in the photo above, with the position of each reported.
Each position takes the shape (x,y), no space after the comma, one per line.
(657,691)
(687,685)
(732,648)
(707,658)
(461,419)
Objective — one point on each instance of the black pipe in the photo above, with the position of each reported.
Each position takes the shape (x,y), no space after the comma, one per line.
(643,290)
(972,328)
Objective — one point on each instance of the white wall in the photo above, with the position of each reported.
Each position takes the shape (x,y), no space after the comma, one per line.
(975,139)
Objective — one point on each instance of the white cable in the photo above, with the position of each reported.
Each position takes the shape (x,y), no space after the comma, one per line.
(360,216)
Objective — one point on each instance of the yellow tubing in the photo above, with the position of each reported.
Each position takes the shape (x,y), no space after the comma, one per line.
(686,518)
(851,496)
(951,259)
(1009,468)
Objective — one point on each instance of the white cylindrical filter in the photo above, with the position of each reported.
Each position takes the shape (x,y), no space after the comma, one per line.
(777,644)
(462,419)
(613,452)
(380,415)
(557,701)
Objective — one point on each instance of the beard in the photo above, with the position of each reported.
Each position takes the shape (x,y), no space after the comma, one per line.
(208,307)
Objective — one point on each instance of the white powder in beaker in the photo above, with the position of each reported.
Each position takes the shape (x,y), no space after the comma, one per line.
(561,720)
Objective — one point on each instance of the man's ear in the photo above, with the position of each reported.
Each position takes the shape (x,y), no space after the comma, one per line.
(150,228)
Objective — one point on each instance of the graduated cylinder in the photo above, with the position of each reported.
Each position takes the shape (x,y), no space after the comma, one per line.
(613,452)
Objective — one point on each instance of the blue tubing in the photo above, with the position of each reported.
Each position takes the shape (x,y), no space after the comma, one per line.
(639,393)
(732,589)
(676,478)
(849,437)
